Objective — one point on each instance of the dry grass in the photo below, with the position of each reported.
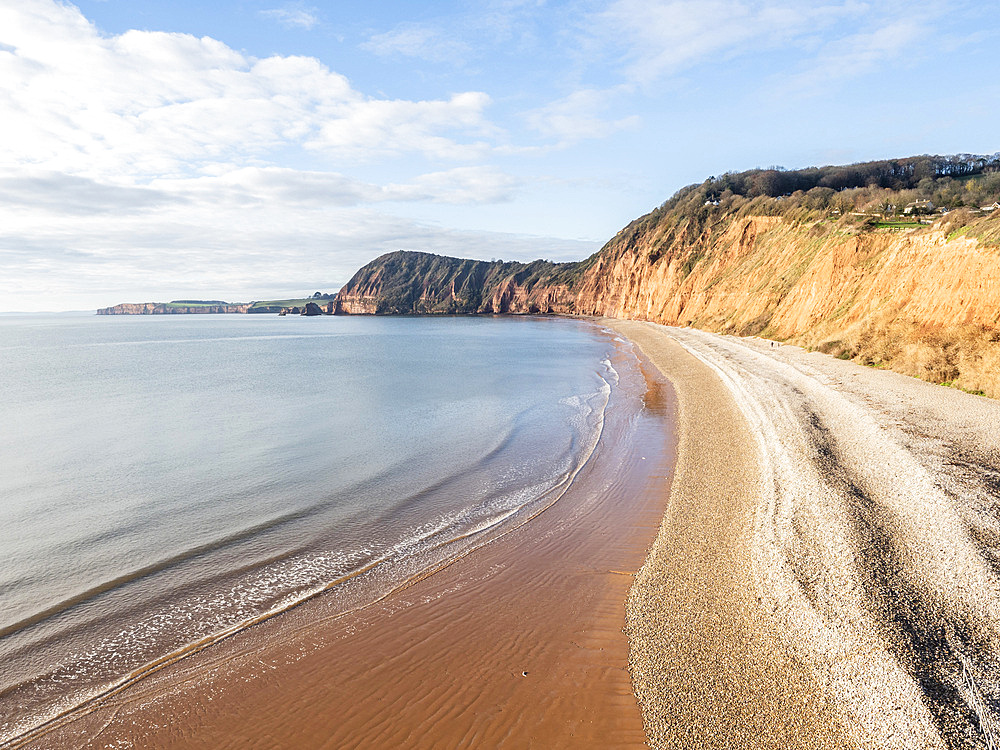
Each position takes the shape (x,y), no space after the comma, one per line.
(966,223)
(966,357)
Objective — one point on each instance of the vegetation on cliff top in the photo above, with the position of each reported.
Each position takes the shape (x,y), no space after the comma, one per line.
(889,195)
(277,305)
(959,181)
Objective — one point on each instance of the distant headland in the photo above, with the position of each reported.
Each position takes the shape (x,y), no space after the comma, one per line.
(319,303)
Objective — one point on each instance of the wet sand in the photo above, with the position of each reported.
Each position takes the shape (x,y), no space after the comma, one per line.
(518,644)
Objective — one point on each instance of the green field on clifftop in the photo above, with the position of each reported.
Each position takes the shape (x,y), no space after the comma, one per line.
(287,303)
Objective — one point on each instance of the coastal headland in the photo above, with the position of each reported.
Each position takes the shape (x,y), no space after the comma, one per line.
(181,307)
(318,304)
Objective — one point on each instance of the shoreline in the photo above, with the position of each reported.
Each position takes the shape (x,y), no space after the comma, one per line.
(519,643)
(705,670)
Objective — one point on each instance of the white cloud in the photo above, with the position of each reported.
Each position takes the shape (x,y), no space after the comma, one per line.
(294,15)
(421,41)
(462,185)
(381,127)
(664,37)
(44,191)
(150,103)
(37,203)
(858,54)
(580,116)
(302,190)
(485,31)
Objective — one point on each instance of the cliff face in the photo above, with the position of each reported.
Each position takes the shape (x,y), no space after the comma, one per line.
(922,301)
(914,301)
(406,282)
(763,274)
(163,308)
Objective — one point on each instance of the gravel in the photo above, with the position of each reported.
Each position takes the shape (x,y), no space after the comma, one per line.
(826,572)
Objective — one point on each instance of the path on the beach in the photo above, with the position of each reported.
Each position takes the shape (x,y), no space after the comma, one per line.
(826,575)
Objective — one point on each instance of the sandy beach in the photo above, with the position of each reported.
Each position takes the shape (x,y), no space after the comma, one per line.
(826,572)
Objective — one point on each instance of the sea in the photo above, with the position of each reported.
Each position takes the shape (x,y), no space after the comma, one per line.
(166,481)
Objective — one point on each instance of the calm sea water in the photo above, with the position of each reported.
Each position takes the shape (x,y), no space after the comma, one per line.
(167,479)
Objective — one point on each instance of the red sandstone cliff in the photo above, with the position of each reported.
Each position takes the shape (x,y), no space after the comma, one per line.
(402,283)
(922,301)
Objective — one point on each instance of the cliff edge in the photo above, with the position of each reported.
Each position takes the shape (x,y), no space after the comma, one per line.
(403,282)
(867,272)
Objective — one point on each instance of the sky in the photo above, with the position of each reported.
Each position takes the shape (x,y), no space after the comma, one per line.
(153,150)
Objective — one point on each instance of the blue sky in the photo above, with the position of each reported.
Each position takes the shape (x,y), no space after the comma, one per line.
(250,149)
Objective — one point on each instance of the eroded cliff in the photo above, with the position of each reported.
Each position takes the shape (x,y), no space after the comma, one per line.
(921,300)
(402,283)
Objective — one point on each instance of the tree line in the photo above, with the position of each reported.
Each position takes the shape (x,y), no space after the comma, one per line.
(887,187)
(891,174)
